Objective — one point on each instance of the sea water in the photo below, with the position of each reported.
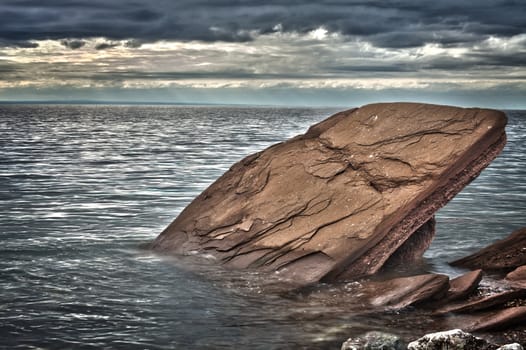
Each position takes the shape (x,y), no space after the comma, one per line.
(83,186)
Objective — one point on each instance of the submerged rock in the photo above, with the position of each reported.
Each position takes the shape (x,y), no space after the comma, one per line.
(507,253)
(340,200)
(374,341)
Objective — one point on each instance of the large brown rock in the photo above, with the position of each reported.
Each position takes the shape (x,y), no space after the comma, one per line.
(507,253)
(338,201)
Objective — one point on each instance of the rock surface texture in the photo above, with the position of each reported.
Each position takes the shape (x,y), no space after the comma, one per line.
(483,303)
(399,293)
(463,286)
(517,277)
(338,201)
(499,320)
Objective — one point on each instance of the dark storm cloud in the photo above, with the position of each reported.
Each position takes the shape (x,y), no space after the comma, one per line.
(394,24)
(73,44)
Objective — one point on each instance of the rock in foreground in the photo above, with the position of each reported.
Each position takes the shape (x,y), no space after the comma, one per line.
(453,339)
(456,339)
(340,200)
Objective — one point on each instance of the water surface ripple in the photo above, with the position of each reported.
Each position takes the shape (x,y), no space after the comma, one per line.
(81,187)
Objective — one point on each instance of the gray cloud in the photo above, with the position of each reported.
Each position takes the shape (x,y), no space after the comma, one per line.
(106,46)
(23,44)
(133,43)
(7,69)
(378,68)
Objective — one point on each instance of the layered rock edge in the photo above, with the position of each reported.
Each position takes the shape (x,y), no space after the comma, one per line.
(507,253)
(337,202)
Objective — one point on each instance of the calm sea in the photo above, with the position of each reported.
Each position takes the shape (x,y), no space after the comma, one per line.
(81,187)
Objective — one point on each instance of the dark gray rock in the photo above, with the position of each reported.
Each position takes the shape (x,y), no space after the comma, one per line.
(514,346)
(455,339)
(374,341)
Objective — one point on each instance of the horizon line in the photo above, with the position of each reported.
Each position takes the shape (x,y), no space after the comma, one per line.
(155,103)
(166,103)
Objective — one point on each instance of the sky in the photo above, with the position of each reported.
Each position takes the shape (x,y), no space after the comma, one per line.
(309,53)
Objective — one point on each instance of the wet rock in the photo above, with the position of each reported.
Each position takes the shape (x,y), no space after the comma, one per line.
(517,277)
(483,303)
(374,341)
(337,202)
(508,253)
(462,286)
(499,320)
(404,291)
(455,339)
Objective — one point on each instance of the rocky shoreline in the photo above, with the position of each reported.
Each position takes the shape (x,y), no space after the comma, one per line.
(482,301)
